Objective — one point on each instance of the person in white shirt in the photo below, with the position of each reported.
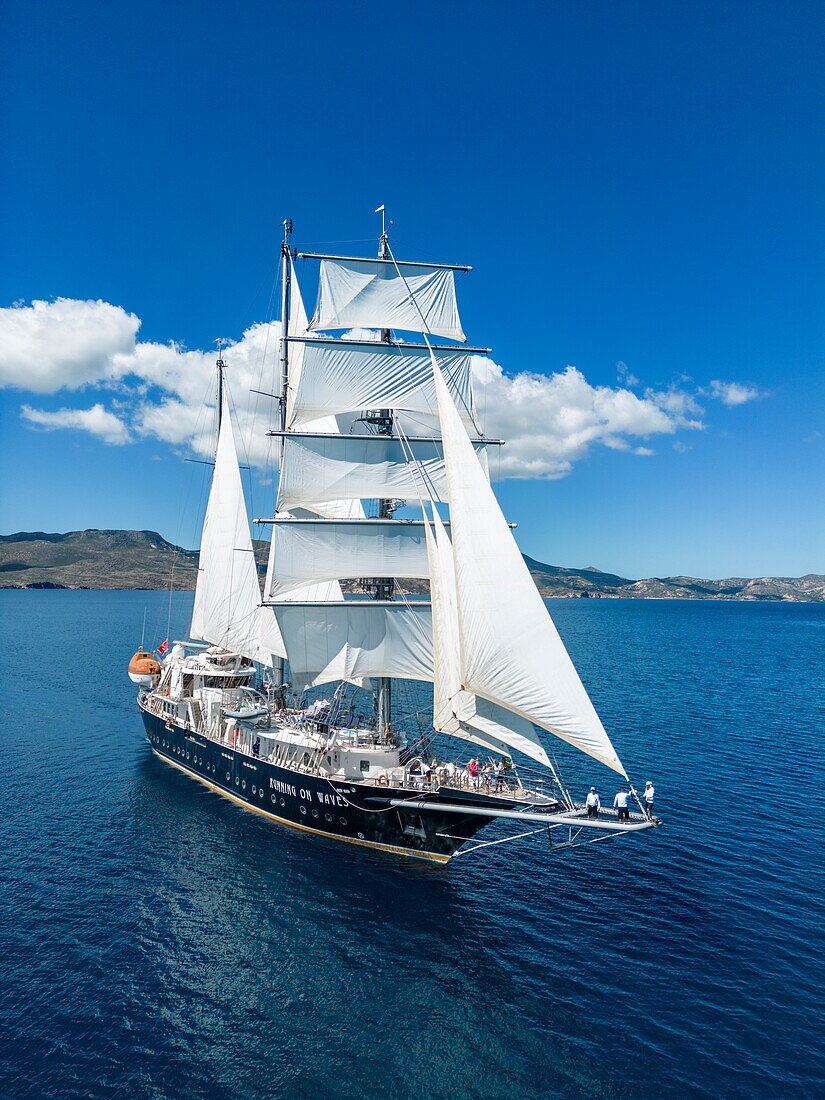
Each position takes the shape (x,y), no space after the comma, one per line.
(650,792)
(593,803)
(498,773)
(620,804)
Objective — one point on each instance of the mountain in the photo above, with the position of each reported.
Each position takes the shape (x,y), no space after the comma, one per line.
(144,559)
(94,559)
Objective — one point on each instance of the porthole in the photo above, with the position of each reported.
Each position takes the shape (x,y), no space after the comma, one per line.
(243,785)
(227,776)
(272,797)
(253,789)
(303,809)
(314,813)
(187,756)
(343,820)
(261,793)
(237,781)
(283,801)
(328,817)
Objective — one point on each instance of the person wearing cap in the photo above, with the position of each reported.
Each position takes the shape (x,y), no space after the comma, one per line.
(650,792)
(620,804)
(593,803)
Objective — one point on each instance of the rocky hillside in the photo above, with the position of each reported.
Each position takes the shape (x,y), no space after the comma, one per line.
(144,559)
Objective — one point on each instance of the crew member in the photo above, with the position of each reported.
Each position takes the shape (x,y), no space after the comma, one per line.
(649,795)
(498,765)
(620,804)
(593,803)
(256,748)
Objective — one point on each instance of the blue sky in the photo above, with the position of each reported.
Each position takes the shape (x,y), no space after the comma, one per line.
(638,187)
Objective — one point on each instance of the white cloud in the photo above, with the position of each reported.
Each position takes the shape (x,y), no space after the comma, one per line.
(166,392)
(49,345)
(96,420)
(551,421)
(733,393)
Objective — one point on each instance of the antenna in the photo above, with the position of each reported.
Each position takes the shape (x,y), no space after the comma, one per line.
(385,226)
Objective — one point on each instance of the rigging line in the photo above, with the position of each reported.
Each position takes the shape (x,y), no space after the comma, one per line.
(425,332)
(262,361)
(257,295)
(491,843)
(416,466)
(415,248)
(353,240)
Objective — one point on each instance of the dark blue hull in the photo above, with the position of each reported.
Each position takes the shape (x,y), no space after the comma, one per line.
(334,808)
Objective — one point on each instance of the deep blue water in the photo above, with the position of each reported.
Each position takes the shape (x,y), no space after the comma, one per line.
(158,941)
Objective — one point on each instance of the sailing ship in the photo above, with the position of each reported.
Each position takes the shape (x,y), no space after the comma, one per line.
(383,479)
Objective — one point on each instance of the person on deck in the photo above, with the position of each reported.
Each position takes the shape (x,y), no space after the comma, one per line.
(593,803)
(472,768)
(649,795)
(498,766)
(507,767)
(256,748)
(620,804)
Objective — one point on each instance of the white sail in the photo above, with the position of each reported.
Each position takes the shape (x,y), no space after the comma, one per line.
(344,376)
(357,639)
(309,551)
(456,711)
(446,643)
(330,589)
(511,652)
(319,468)
(499,729)
(228,609)
(371,294)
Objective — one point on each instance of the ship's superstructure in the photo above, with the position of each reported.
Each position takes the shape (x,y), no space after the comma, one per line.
(383,479)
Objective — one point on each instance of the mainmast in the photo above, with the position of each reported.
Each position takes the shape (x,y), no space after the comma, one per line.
(383,588)
(286,280)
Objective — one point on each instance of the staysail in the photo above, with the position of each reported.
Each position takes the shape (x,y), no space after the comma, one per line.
(456,711)
(511,652)
(228,609)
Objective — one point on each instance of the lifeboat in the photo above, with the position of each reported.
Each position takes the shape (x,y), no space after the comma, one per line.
(143,668)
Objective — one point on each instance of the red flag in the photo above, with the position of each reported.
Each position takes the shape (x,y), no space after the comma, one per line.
(163,647)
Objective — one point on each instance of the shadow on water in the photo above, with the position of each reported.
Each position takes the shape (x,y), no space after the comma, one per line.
(397,964)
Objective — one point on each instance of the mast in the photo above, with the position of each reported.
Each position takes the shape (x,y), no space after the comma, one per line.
(383,589)
(219,365)
(286,280)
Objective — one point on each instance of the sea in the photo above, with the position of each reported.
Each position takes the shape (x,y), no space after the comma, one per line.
(159,941)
